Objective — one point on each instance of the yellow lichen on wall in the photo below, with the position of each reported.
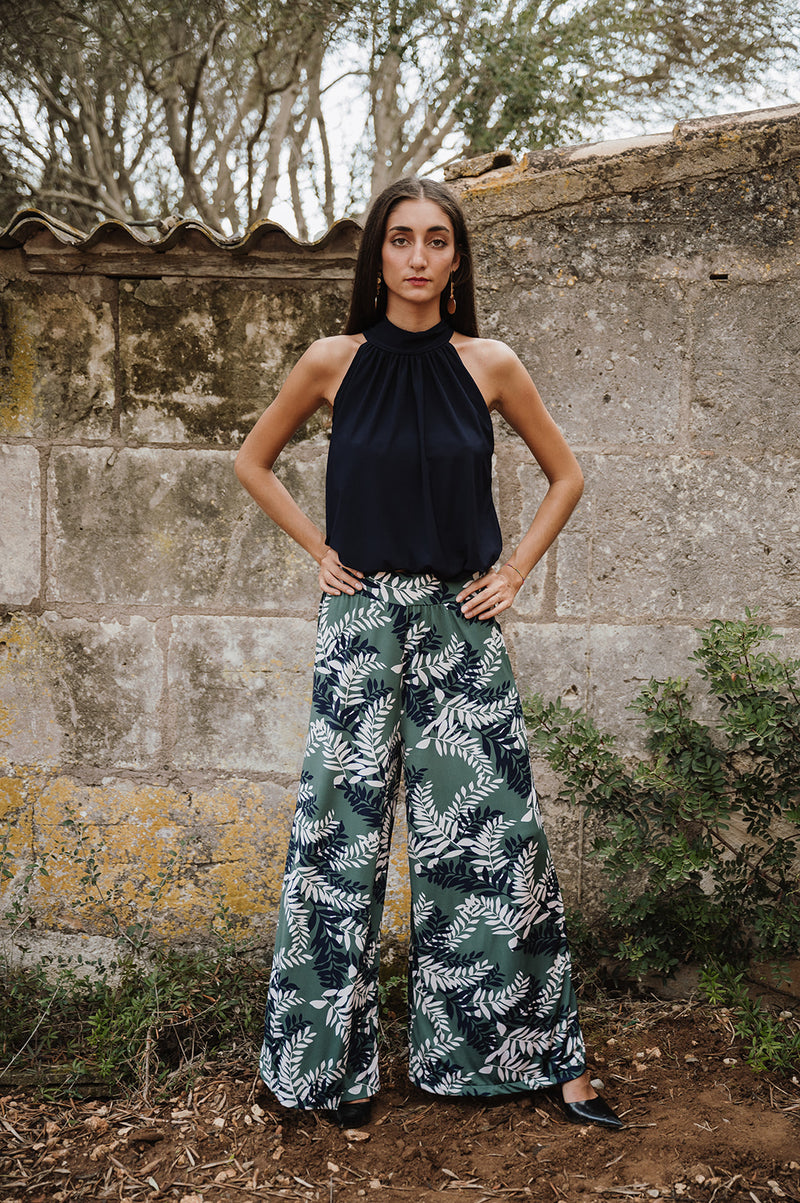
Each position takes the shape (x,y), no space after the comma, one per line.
(30,661)
(17,828)
(18,400)
(120,855)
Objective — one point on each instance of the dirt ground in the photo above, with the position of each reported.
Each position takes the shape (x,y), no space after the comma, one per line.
(699,1126)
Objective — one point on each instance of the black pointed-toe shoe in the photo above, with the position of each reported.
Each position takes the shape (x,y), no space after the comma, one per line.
(354,1115)
(589,1111)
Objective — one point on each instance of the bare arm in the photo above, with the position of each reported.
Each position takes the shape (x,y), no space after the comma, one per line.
(311,383)
(515,396)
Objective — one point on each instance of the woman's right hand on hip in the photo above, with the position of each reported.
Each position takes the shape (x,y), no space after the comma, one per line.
(334,578)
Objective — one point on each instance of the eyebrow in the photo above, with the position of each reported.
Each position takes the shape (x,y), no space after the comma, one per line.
(408,229)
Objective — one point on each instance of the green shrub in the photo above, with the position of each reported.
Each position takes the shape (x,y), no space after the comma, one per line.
(683,885)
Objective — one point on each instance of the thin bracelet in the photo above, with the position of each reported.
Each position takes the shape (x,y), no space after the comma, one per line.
(508,564)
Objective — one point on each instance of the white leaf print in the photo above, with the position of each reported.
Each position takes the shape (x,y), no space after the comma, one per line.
(372,738)
(450,977)
(313,884)
(501,1001)
(488,843)
(360,852)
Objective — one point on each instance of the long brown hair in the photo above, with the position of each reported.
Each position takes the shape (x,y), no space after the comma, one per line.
(363,310)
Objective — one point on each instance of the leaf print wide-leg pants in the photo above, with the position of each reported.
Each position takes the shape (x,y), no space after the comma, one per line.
(404,682)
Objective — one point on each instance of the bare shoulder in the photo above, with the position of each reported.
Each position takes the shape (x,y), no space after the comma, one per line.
(327,361)
(332,351)
(491,363)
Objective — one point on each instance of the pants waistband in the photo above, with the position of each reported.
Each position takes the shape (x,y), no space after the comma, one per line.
(414,589)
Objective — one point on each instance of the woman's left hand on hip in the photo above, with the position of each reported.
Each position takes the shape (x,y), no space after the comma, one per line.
(490,594)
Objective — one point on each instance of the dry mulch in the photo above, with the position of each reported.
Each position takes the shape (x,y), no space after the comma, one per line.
(700,1126)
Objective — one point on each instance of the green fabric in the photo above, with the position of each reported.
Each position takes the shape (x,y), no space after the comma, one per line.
(404,682)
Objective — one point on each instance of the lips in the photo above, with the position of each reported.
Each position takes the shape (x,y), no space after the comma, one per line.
(417,280)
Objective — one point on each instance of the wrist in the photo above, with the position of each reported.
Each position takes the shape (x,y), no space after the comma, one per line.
(508,564)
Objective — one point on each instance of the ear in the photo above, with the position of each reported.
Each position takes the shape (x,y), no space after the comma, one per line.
(456,261)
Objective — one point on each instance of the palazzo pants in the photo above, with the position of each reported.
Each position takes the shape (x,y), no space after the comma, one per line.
(403,681)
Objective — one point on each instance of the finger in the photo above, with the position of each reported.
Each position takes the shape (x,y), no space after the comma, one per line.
(476,586)
(483,604)
(337,582)
(498,607)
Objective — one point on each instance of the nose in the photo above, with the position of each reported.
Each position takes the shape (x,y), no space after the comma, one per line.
(418,255)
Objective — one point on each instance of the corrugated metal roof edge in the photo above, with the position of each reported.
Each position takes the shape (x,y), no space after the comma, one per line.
(27,223)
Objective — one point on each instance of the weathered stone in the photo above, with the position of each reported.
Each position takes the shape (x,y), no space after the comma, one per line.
(747,368)
(549,658)
(174,857)
(622,659)
(31,693)
(264,567)
(20,526)
(548,180)
(240,693)
(156,526)
(80,691)
(397,908)
(57,374)
(732,229)
(606,358)
(107,690)
(516,509)
(201,360)
(675,538)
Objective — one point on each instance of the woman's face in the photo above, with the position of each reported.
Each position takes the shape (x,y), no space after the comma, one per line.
(419,251)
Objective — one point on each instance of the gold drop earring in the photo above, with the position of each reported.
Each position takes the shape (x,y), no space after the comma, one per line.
(378,290)
(451,304)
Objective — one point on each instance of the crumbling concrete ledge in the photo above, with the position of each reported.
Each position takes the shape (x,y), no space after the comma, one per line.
(700,148)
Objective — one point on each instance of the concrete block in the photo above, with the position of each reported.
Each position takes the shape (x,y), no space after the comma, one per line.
(201,359)
(566,565)
(549,658)
(520,487)
(606,357)
(676,538)
(20,526)
(107,689)
(622,659)
(140,526)
(32,694)
(746,367)
(75,690)
(180,863)
(264,567)
(240,692)
(158,526)
(57,377)
(740,225)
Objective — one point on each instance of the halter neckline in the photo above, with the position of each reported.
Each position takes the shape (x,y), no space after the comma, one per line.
(393,338)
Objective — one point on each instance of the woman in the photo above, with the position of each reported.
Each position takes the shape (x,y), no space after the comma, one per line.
(411,673)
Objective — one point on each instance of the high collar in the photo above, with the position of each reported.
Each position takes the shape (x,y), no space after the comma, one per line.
(413,342)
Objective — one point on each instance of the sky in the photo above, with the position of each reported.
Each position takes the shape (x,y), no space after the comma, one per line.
(775,90)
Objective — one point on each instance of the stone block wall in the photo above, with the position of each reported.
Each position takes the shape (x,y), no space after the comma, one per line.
(157,639)
(651,288)
(157,634)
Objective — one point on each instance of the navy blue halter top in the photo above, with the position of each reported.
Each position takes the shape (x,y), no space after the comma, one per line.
(409,480)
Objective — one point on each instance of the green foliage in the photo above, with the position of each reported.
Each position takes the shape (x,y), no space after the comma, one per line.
(769,1041)
(701,840)
(136,110)
(153,1013)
